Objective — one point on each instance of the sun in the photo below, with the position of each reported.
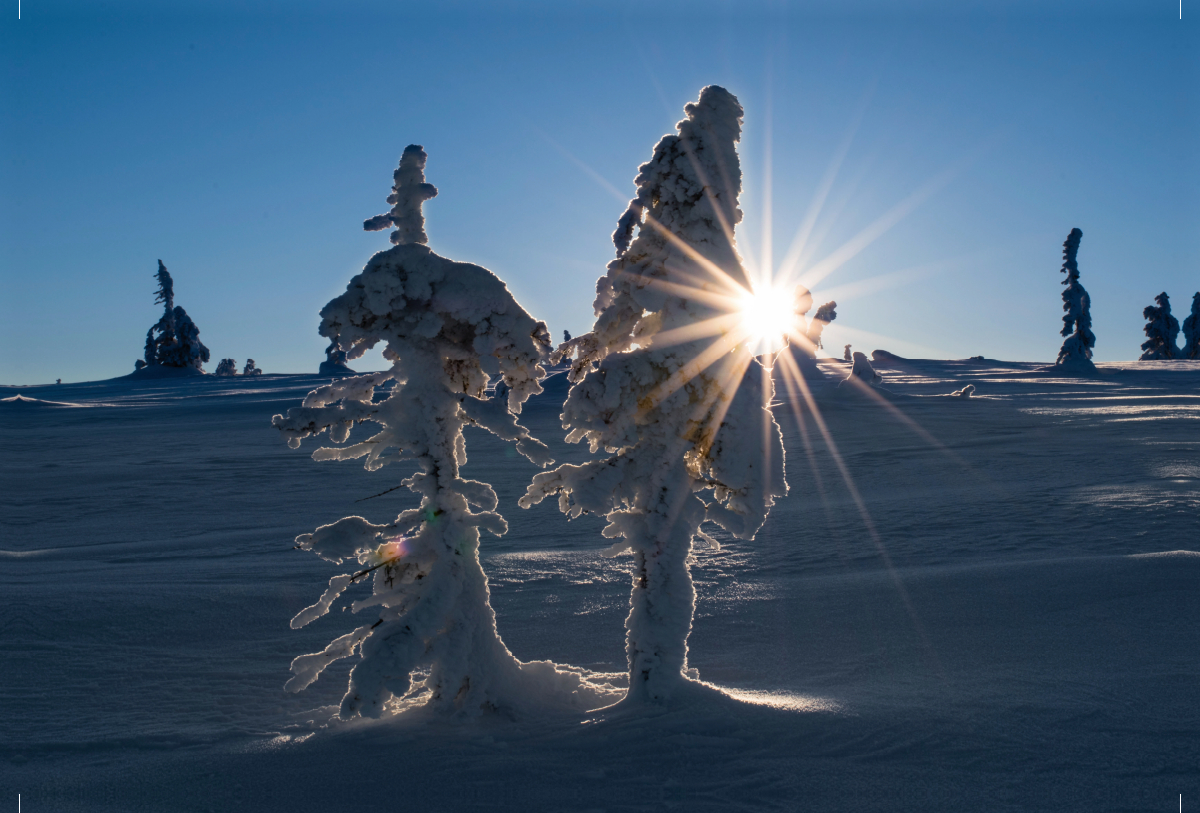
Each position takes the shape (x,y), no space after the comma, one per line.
(768,318)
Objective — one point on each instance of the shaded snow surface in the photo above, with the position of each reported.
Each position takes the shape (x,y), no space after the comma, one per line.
(1030,640)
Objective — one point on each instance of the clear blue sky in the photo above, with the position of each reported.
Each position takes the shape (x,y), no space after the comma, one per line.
(245,148)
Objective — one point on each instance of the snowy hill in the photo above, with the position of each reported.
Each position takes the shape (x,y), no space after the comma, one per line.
(1023,633)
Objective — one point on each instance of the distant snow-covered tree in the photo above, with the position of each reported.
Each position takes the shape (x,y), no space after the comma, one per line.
(675,410)
(846,354)
(863,371)
(1191,332)
(809,332)
(251,368)
(1076,352)
(566,335)
(1162,330)
(226,367)
(174,341)
(335,361)
(447,328)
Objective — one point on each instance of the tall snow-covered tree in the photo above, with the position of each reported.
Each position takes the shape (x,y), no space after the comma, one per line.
(448,327)
(676,411)
(174,341)
(1162,330)
(1076,352)
(226,367)
(1191,332)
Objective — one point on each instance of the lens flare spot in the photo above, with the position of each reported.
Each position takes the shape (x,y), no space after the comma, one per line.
(768,318)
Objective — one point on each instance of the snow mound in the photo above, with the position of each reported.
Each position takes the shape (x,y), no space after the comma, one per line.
(885,356)
(965,392)
(1174,554)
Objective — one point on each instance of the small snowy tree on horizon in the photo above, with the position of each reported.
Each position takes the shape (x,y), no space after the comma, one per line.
(846,354)
(673,408)
(1162,331)
(1191,332)
(174,341)
(448,327)
(251,368)
(1076,352)
(226,367)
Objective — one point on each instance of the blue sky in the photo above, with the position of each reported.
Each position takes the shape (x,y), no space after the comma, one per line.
(245,143)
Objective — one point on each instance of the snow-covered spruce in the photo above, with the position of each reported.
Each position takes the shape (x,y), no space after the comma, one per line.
(677,415)
(1162,330)
(1076,352)
(409,191)
(862,371)
(1191,332)
(846,354)
(174,341)
(335,361)
(251,368)
(448,328)
(809,332)
(226,367)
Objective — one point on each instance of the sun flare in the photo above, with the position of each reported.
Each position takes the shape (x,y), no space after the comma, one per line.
(768,317)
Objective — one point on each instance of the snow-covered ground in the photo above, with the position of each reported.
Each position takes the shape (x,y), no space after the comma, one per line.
(1022,634)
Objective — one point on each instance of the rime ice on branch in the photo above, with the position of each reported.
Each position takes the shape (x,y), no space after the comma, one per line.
(1076,352)
(1191,332)
(448,327)
(1162,329)
(174,341)
(673,411)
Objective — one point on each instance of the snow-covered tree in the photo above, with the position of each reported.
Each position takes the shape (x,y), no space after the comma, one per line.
(409,191)
(1191,332)
(566,335)
(226,367)
(862,371)
(174,341)
(335,361)
(846,354)
(1162,329)
(809,332)
(677,412)
(447,328)
(1076,352)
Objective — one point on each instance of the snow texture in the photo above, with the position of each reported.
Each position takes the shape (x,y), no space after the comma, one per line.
(226,367)
(408,193)
(1076,352)
(174,341)
(863,371)
(448,327)
(251,368)
(1162,330)
(1191,332)
(675,417)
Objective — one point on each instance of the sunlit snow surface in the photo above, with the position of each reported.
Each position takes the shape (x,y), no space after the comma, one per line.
(1028,638)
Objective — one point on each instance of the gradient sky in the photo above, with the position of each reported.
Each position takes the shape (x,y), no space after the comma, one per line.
(244,144)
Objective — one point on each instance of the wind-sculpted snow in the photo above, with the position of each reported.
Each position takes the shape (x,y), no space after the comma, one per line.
(1076,352)
(676,417)
(448,328)
(862,371)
